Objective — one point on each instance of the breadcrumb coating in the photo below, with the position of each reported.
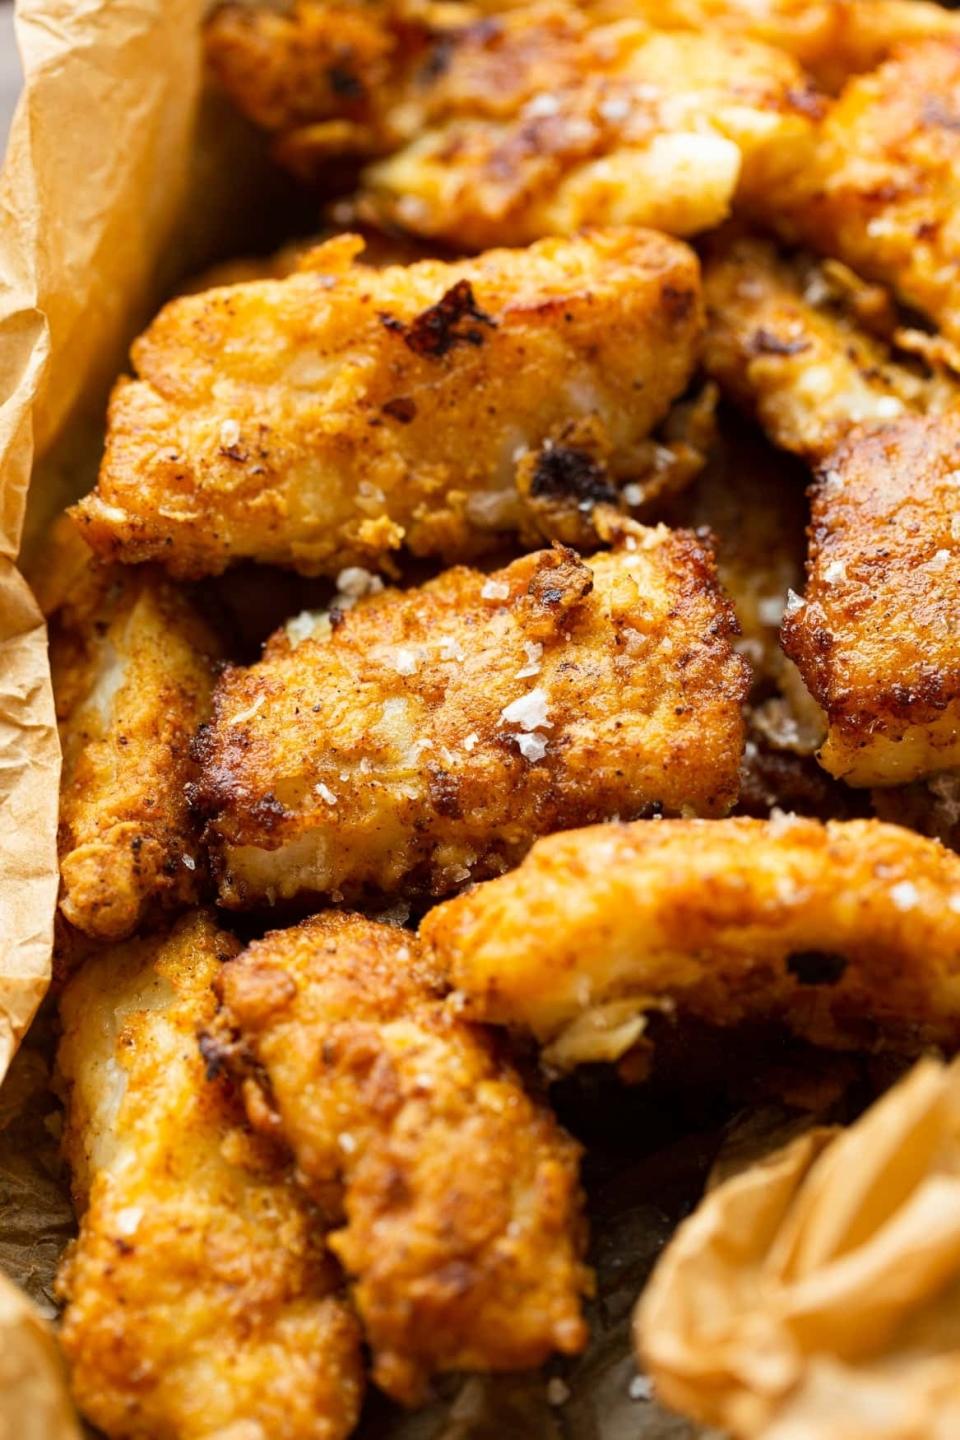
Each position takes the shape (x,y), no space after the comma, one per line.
(426,737)
(498,128)
(326,419)
(455,1194)
(882,191)
(199,1300)
(543,125)
(786,339)
(846,933)
(874,636)
(833,39)
(350,77)
(132,676)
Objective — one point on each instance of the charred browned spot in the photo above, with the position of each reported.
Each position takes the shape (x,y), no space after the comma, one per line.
(817,967)
(563,472)
(344,83)
(677,302)
(765,342)
(402,408)
(267,812)
(444,792)
(454,320)
(216,1054)
(560,583)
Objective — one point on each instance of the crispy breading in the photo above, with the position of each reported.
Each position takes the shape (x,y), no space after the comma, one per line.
(831,38)
(875,636)
(324,420)
(882,191)
(542,125)
(331,76)
(427,736)
(321,61)
(200,1301)
(132,677)
(529,122)
(457,1194)
(785,341)
(846,933)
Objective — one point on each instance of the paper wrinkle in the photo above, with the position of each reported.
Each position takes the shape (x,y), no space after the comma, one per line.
(92,182)
(815,1295)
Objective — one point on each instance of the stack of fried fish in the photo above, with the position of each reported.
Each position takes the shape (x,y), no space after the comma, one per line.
(574,722)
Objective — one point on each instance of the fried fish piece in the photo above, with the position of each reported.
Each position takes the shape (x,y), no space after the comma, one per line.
(846,933)
(455,1194)
(832,39)
(427,736)
(543,124)
(334,76)
(534,121)
(882,190)
(323,420)
(786,340)
(200,1301)
(875,635)
(132,667)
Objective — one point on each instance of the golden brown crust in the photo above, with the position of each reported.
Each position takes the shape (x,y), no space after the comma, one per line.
(428,736)
(457,1194)
(326,419)
(352,76)
(845,933)
(883,189)
(132,676)
(785,341)
(831,38)
(199,1300)
(874,638)
(543,124)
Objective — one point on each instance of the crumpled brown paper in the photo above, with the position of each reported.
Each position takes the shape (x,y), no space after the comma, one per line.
(93,177)
(816,1294)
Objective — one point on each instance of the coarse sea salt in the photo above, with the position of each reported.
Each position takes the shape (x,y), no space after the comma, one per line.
(905,895)
(531,747)
(529,712)
(355,582)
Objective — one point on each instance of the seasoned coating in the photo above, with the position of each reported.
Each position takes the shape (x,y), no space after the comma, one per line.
(199,1299)
(530,122)
(333,61)
(831,38)
(426,737)
(542,125)
(875,636)
(456,1195)
(132,677)
(786,342)
(337,76)
(847,933)
(324,420)
(882,192)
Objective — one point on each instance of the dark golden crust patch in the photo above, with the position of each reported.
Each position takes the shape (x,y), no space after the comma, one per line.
(875,638)
(455,1194)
